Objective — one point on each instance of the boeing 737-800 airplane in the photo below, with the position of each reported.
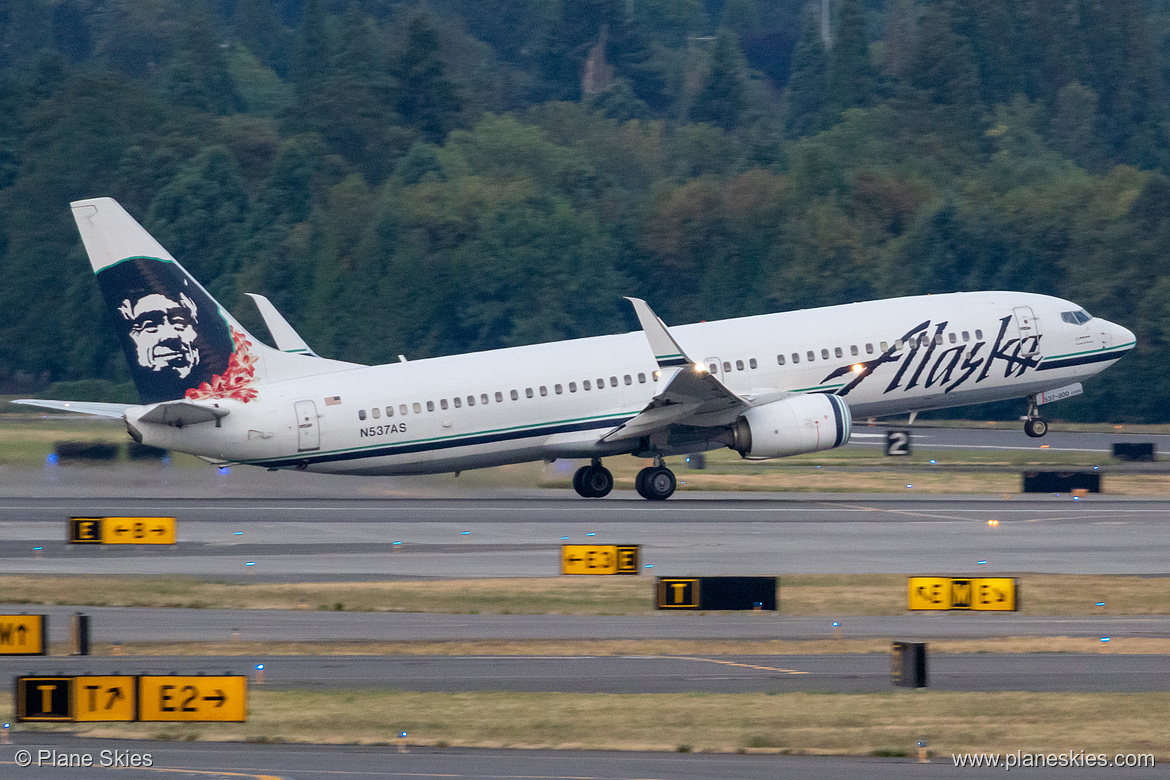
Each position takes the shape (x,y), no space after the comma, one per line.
(766,386)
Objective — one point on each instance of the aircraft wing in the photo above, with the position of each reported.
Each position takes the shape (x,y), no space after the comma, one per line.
(80,407)
(690,395)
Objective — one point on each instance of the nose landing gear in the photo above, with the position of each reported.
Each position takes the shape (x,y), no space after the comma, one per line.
(1034,425)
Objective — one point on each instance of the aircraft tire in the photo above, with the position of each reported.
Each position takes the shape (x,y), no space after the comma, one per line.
(597,480)
(640,481)
(658,484)
(1035,428)
(579,482)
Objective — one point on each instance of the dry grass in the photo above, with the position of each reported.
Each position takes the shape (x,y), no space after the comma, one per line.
(795,722)
(819,594)
(600,647)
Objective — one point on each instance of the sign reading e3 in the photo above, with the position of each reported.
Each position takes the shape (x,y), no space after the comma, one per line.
(23,634)
(121,530)
(983,594)
(599,559)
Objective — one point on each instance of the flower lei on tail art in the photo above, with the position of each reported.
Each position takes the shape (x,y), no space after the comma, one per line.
(236,380)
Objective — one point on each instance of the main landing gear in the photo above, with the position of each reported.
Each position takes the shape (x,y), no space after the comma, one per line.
(655,483)
(593,481)
(1034,425)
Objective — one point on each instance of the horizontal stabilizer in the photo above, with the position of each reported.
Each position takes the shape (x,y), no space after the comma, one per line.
(96,408)
(285,336)
(180,413)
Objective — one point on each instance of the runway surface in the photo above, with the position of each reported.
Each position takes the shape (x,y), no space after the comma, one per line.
(310,762)
(870,673)
(690,535)
(147,624)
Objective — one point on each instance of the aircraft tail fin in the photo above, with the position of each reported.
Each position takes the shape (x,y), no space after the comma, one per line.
(180,342)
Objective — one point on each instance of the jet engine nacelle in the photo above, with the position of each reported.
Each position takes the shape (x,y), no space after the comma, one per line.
(806,423)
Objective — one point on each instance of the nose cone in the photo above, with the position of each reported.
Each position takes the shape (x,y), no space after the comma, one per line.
(1121,336)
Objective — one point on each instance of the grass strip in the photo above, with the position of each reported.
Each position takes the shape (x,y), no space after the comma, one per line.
(828,595)
(887,723)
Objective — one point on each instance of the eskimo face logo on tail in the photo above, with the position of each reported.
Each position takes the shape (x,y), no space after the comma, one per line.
(171,331)
(163,332)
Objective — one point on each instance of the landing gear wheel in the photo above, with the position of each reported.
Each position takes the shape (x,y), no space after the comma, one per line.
(593,481)
(1035,427)
(655,483)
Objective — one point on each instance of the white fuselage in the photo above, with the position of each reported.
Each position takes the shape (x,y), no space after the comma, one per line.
(557,400)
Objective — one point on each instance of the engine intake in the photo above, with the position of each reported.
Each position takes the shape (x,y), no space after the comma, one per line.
(806,423)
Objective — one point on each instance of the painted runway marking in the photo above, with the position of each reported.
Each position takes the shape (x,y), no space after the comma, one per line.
(720,661)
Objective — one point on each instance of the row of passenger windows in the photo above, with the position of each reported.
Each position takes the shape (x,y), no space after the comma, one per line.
(484,399)
(854,351)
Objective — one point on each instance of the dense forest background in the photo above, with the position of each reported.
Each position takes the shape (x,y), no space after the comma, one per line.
(467,174)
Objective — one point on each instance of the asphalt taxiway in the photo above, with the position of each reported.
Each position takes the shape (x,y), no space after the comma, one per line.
(850,673)
(310,762)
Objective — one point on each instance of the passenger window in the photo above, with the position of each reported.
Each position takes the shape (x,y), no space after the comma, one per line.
(853,350)
(471,400)
(810,355)
(641,379)
(966,337)
(528,392)
(430,406)
(499,397)
(361,414)
(713,368)
(375,413)
(483,398)
(417,407)
(402,409)
(443,404)
(739,365)
(837,352)
(629,380)
(780,360)
(824,354)
(613,381)
(796,357)
(458,402)
(868,348)
(979,334)
(389,411)
(752,363)
(953,337)
(543,391)
(938,338)
(654,376)
(515,395)
(557,389)
(884,346)
(727,366)
(572,387)
(601,383)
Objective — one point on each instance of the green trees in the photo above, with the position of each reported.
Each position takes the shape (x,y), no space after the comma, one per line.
(399,179)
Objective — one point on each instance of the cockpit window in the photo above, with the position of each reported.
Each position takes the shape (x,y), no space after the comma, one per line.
(1078,317)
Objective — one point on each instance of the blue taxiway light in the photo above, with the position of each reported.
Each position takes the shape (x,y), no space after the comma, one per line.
(250,563)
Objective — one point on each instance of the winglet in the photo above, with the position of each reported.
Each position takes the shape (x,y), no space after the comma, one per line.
(285,336)
(666,350)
